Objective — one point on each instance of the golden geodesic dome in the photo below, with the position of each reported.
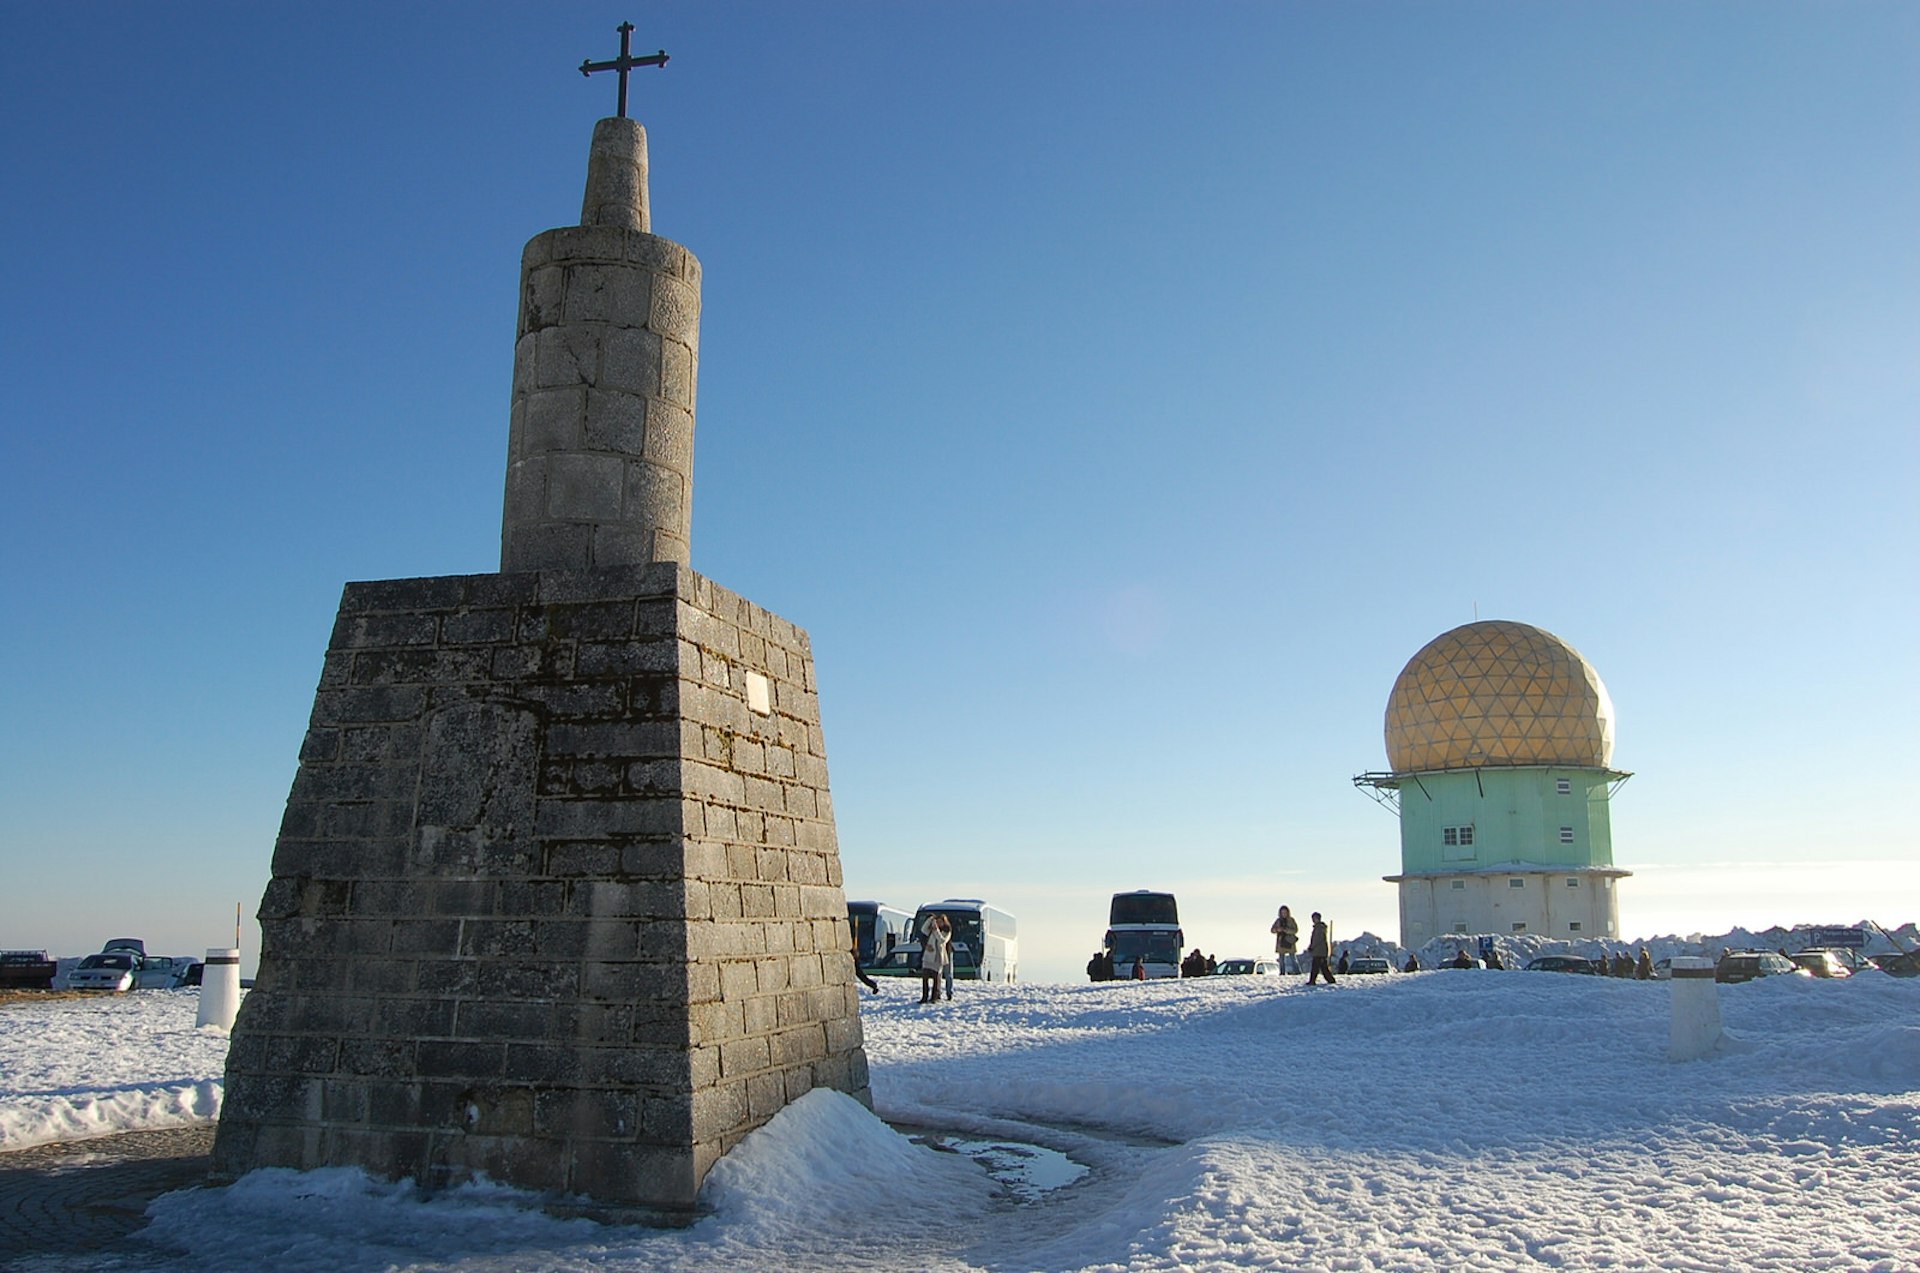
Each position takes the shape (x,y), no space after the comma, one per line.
(1498,693)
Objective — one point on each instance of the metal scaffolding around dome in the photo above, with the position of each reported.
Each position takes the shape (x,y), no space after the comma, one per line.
(1383,786)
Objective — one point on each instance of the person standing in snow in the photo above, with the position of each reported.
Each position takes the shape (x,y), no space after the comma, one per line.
(954,950)
(858,971)
(1286,940)
(1319,952)
(1643,970)
(1341,966)
(935,952)
(1413,962)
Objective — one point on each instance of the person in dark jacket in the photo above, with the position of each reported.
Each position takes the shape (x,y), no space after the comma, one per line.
(1097,967)
(1320,952)
(858,971)
(1341,967)
(1413,962)
(1463,960)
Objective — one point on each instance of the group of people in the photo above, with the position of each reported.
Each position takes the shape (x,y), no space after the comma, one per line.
(936,961)
(1198,965)
(1286,946)
(1102,968)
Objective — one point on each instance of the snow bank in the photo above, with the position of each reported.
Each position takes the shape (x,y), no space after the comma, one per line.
(78,1068)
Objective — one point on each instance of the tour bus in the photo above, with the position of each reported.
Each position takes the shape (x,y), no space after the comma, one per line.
(877,929)
(986,943)
(1144,926)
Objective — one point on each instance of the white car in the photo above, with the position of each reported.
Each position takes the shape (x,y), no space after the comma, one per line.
(1245,967)
(123,964)
(113,971)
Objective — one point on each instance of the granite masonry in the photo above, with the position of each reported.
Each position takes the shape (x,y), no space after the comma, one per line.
(557,896)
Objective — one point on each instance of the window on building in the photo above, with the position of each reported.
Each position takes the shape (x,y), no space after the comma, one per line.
(1574,927)
(1566,835)
(1459,883)
(1519,928)
(1573,881)
(1459,925)
(1516,883)
(1564,786)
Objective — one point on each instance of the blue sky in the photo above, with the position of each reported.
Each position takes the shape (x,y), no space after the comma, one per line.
(1120,394)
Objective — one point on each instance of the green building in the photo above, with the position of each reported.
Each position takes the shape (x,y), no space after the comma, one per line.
(1500,741)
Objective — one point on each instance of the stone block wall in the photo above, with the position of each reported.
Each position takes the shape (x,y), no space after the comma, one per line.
(557,896)
(605,375)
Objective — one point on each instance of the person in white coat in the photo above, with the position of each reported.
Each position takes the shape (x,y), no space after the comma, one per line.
(936,957)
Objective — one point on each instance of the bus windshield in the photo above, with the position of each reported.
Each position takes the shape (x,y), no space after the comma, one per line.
(866,941)
(1160,947)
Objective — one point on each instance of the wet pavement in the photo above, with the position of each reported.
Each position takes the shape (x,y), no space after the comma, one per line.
(91,1196)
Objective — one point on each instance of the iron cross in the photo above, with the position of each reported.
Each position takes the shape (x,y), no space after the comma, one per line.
(624,63)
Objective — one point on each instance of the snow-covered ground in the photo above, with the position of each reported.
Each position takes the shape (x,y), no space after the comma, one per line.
(1446,1120)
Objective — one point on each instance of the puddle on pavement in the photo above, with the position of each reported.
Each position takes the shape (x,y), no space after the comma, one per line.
(1024,1172)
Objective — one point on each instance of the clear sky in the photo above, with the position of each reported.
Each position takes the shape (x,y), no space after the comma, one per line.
(1119,393)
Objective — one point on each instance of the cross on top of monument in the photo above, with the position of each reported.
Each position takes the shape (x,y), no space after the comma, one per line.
(624,63)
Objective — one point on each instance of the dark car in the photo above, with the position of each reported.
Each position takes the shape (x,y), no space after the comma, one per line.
(27,970)
(1566,963)
(1904,964)
(1822,963)
(1746,965)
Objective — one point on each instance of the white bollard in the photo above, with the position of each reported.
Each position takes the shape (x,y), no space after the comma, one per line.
(1696,1009)
(220,988)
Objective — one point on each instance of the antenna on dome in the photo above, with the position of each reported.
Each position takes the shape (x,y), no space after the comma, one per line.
(1476,612)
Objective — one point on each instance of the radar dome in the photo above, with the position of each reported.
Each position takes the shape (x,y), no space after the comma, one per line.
(1497,693)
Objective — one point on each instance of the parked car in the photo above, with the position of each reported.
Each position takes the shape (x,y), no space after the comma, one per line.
(112,971)
(1367,965)
(128,956)
(1247,967)
(1904,964)
(1565,963)
(1824,964)
(1746,965)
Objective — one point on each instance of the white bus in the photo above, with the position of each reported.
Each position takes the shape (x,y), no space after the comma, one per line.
(1144,927)
(986,942)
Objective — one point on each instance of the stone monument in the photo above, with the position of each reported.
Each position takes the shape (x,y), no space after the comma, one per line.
(557,897)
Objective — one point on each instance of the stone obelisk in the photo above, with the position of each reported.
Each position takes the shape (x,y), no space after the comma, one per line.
(557,897)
